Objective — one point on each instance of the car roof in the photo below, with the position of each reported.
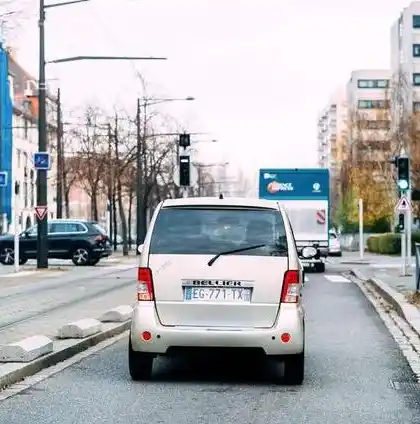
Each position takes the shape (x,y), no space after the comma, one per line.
(83,221)
(215,201)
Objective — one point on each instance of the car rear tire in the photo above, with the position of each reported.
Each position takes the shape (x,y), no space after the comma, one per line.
(80,256)
(140,364)
(294,369)
(320,267)
(6,256)
(95,261)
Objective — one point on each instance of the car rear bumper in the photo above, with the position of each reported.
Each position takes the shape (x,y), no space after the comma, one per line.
(291,320)
(334,251)
(101,252)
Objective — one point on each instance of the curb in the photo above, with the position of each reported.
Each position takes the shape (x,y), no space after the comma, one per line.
(60,355)
(404,309)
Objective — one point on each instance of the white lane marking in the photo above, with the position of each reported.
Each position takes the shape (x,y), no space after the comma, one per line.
(337,279)
(306,279)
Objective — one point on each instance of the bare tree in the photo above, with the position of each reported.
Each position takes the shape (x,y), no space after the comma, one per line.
(93,158)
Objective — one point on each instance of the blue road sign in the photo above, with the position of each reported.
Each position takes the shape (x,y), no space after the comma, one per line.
(3,178)
(42,161)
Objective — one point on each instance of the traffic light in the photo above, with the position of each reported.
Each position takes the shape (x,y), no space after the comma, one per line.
(403,169)
(401,222)
(184,171)
(184,140)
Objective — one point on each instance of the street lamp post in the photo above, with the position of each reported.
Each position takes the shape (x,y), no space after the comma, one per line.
(41,183)
(140,154)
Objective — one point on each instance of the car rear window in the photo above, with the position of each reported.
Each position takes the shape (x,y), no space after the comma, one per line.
(99,229)
(199,231)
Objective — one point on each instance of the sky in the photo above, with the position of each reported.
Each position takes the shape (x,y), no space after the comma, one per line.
(260,70)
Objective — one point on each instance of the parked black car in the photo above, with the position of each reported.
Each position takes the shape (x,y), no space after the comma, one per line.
(84,242)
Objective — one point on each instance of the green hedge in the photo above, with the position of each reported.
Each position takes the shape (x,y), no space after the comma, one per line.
(389,243)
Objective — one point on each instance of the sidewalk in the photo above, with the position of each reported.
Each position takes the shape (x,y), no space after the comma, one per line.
(373,259)
(392,277)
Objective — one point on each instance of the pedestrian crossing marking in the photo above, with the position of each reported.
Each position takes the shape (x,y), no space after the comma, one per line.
(337,279)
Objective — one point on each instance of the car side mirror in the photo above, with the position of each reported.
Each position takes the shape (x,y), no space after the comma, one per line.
(140,248)
(308,252)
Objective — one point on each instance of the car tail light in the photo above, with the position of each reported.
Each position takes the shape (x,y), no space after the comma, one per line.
(291,287)
(99,238)
(144,285)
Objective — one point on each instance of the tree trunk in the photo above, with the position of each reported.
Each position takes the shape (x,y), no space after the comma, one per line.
(94,204)
(67,201)
(130,210)
(114,217)
(119,193)
(122,217)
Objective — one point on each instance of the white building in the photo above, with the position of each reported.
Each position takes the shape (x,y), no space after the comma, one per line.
(25,144)
(368,99)
(405,60)
(332,130)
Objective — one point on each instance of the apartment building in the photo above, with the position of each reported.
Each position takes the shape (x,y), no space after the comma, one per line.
(405,61)
(369,119)
(332,132)
(24,130)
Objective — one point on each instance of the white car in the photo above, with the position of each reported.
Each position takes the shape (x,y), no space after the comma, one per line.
(334,245)
(219,273)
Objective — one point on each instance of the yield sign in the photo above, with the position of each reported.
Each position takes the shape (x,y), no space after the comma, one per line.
(403,204)
(41,212)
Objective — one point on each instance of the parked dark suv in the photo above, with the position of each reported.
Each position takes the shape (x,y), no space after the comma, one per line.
(84,242)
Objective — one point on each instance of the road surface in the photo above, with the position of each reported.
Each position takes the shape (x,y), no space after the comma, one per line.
(351,362)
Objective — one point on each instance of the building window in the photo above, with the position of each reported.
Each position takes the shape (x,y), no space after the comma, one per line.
(375,83)
(416,50)
(373,104)
(416,21)
(18,158)
(378,125)
(416,106)
(416,79)
(365,83)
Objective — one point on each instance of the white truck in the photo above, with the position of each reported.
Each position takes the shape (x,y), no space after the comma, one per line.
(305,193)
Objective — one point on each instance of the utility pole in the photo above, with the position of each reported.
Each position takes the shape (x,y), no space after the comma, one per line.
(139,178)
(114,188)
(60,159)
(41,182)
(109,215)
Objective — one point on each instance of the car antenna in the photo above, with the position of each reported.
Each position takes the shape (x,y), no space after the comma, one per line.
(221,196)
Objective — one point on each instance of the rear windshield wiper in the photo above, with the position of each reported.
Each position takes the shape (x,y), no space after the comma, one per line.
(229,252)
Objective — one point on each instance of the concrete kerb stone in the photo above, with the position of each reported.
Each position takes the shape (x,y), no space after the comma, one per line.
(19,371)
(79,329)
(404,309)
(26,350)
(119,314)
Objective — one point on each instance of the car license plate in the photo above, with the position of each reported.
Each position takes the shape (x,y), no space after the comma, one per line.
(216,294)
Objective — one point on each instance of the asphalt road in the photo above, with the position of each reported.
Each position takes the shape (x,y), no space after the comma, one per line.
(351,360)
